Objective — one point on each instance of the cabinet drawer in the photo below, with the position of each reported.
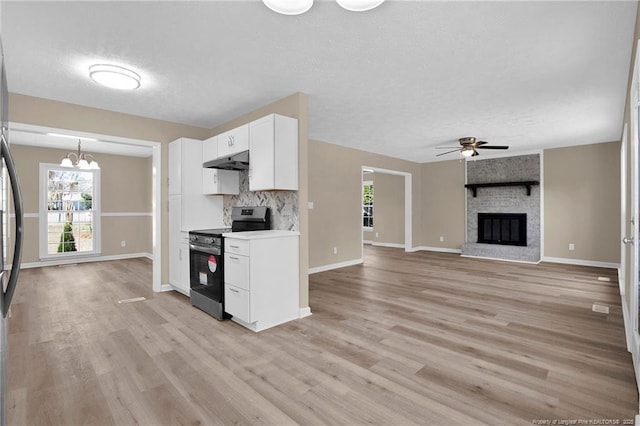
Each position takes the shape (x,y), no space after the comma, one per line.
(236,270)
(232,245)
(236,302)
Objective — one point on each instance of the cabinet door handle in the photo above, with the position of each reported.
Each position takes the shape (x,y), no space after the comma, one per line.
(215,179)
(230,141)
(233,290)
(180,254)
(235,247)
(233,258)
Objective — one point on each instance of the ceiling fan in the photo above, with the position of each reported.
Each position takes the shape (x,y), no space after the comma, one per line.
(469,146)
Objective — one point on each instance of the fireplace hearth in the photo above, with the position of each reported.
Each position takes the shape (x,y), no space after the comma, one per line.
(502,228)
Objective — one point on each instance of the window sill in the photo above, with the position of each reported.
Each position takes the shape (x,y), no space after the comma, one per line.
(49,257)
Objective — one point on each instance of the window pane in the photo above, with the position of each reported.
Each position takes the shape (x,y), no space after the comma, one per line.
(367,205)
(70,217)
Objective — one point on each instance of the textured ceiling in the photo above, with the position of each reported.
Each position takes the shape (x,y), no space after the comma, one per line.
(398,80)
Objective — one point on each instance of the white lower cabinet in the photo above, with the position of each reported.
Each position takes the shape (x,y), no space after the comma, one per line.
(179,261)
(237,301)
(261,278)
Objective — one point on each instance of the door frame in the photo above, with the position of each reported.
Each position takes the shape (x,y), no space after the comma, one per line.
(408,216)
(631,183)
(624,205)
(156,179)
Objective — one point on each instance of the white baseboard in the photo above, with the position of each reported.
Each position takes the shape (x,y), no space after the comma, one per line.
(166,287)
(334,266)
(392,245)
(58,262)
(437,249)
(581,262)
(304,312)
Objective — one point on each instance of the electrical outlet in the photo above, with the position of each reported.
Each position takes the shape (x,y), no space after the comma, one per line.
(335,250)
(572,247)
(123,243)
(377,234)
(441,238)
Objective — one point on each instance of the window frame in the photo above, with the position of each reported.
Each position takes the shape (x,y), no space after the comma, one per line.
(367,183)
(43,222)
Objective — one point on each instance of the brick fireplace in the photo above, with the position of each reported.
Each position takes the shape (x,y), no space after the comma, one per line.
(503,208)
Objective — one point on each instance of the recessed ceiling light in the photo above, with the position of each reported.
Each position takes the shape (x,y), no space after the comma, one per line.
(114,76)
(359,5)
(289,7)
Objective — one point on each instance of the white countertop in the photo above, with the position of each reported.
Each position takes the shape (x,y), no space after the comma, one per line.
(254,235)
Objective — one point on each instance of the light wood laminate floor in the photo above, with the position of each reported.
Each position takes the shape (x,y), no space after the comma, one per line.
(408,338)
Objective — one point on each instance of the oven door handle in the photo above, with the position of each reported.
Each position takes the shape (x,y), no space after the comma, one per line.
(208,250)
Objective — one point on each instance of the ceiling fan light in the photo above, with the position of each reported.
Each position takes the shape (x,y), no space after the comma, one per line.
(467,152)
(289,7)
(93,165)
(114,76)
(359,5)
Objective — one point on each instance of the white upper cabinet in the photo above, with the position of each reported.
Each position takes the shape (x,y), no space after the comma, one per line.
(217,181)
(233,141)
(273,153)
(185,179)
(175,166)
(185,162)
(210,149)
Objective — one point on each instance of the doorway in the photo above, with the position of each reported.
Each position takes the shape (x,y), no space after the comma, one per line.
(386,217)
(45,137)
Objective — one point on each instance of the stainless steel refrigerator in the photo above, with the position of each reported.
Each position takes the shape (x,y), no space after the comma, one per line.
(8,278)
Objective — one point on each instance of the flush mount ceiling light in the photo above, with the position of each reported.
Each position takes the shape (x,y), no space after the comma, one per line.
(359,5)
(289,7)
(297,7)
(114,76)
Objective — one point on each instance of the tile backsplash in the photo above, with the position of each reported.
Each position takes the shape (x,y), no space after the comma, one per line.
(283,204)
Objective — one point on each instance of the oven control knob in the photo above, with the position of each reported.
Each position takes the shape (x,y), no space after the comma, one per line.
(208,240)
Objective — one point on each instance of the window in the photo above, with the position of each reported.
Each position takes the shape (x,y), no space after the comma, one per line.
(367,204)
(69,211)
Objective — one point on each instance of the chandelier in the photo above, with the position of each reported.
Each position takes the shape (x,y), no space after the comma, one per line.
(82,161)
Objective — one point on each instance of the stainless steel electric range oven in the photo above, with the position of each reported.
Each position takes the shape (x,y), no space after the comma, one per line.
(206,257)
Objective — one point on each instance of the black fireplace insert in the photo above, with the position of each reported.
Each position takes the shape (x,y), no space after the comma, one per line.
(502,228)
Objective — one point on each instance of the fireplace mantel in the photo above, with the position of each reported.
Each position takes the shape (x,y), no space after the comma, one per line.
(528,184)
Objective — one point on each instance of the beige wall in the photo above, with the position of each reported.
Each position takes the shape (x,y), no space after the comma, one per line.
(388,202)
(125,188)
(335,176)
(443,204)
(295,106)
(60,115)
(582,202)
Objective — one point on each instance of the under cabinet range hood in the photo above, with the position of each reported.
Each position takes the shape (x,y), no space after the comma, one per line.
(239,161)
